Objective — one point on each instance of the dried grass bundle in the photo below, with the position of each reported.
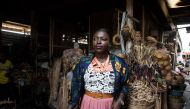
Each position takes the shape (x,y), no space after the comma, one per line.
(53,79)
(63,96)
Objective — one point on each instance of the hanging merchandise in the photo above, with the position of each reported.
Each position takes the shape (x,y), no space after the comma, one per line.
(54,76)
(163,59)
(124,35)
(118,41)
(150,72)
(116,37)
(120,34)
(63,95)
(60,79)
(70,57)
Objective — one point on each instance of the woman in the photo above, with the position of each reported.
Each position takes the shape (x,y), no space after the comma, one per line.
(100,79)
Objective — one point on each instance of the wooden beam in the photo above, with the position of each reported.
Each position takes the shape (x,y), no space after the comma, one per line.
(130,13)
(180,15)
(163,6)
(51,34)
(34,35)
(143,23)
(0,26)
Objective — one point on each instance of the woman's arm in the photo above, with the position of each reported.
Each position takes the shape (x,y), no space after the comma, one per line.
(124,90)
(75,88)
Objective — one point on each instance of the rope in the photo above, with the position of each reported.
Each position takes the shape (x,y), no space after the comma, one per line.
(118,22)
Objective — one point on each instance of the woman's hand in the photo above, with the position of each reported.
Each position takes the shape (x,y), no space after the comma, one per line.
(70,107)
(119,102)
(116,104)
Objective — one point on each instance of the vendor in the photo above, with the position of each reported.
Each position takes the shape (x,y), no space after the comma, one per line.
(186,93)
(5,68)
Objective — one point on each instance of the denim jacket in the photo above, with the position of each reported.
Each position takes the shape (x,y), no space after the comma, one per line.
(77,86)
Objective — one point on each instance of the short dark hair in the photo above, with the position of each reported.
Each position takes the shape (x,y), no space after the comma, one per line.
(104,30)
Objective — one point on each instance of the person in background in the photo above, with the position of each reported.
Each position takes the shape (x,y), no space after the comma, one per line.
(187,64)
(100,79)
(180,63)
(5,80)
(186,93)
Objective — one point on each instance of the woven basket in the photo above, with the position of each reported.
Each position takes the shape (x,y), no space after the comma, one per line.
(175,102)
(142,105)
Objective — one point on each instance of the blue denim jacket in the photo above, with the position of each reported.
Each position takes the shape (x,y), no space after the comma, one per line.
(77,86)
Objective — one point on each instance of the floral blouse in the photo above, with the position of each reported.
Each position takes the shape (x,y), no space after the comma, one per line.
(99,77)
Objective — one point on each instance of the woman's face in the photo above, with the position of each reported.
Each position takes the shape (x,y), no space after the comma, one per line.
(100,41)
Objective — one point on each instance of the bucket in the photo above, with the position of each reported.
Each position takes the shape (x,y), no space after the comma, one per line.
(175,102)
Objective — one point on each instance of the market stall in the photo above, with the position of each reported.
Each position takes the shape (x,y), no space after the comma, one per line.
(150,64)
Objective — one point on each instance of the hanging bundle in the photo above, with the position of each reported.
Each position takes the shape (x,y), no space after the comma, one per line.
(163,59)
(53,79)
(69,59)
(63,96)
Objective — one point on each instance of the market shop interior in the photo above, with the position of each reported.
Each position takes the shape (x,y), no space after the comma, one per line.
(38,39)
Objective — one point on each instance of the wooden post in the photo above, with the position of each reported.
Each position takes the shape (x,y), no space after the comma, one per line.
(34,37)
(51,34)
(165,101)
(143,24)
(0,26)
(89,35)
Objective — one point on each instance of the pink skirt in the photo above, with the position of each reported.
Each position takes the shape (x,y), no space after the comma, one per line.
(94,103)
